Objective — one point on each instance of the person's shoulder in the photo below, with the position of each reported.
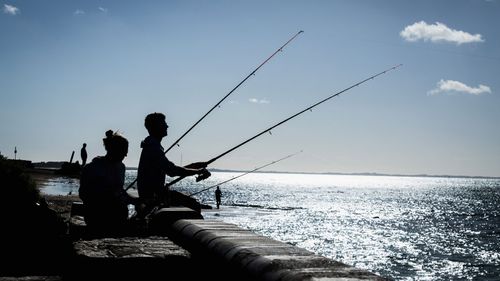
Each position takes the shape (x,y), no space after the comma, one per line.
(152,147)
(92,168)
(147,141)
(99,159)
(96,162)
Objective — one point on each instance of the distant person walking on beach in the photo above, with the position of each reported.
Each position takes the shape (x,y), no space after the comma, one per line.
(83,154)
(154,165)
(218,195)
(101,189)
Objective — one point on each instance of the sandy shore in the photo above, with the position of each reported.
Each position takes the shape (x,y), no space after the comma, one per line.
(59,203)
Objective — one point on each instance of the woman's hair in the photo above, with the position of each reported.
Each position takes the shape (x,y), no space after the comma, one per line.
(114,142)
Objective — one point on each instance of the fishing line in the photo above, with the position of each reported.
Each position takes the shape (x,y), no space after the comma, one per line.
(234,89)
(246,173)
(289,118)
(227,95)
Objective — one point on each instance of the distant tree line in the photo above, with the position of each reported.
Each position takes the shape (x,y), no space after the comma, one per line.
(49,164)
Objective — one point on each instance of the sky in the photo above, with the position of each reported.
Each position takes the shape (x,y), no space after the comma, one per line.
(71,70)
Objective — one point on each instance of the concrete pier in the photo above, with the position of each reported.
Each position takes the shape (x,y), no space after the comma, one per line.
(130,258)
(197,249)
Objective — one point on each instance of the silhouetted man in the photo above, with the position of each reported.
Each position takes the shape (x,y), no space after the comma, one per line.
(218,195)
(154,165)
(83,154)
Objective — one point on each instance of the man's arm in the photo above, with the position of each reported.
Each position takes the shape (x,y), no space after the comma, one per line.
(187,171)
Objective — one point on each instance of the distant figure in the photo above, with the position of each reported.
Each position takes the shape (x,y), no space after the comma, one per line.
(218,195)
(101,189)
(83,154)
(154,165)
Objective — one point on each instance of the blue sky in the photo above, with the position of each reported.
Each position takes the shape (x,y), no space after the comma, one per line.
(70,70)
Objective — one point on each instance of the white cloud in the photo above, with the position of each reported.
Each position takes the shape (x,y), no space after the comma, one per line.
(79,12)
(437,32)
(262,101)
(104,10)
(456,86)
(11,10)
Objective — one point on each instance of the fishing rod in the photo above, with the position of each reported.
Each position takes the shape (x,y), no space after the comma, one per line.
(289,118)
(227,95)
(299,113)
(234,89)
(256,169)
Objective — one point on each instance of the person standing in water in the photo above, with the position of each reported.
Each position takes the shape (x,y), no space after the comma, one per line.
(218,195)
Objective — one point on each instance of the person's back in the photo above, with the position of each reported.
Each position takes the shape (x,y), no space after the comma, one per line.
(100,186)
(101,189)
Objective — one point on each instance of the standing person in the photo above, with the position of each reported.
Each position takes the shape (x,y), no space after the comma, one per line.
(83,154)
(101,189)
(218,195)
(154,165)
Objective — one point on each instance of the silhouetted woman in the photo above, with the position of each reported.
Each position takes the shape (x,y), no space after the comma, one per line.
(101,189)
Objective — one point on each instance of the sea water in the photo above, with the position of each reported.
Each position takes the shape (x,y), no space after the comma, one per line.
(403,228)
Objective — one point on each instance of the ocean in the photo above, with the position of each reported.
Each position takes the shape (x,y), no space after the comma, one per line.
(403,228)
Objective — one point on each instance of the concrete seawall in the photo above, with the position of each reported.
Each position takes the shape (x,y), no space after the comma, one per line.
(257,257)
(195,249)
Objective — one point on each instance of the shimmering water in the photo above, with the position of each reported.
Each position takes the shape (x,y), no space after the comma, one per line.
(404,228)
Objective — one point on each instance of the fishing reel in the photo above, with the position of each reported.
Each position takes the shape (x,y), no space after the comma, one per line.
(204,175)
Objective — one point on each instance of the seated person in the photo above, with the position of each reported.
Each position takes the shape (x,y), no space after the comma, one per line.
(101,190)
(154,165)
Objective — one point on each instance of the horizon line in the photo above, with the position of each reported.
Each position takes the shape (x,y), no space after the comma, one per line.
(327,173)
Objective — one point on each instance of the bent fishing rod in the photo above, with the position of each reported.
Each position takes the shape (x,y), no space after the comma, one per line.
(288,119)
(227,95)
(234,89)
(246,173)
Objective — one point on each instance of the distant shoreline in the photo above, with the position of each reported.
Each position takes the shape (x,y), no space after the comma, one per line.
(57,164)
(350,174)
(363,174)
